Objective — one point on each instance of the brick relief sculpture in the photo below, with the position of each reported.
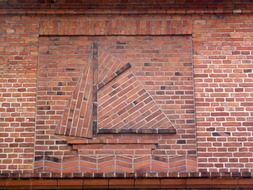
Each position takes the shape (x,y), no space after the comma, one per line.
(124,87)
(104,89)
(125,101)
(109,89)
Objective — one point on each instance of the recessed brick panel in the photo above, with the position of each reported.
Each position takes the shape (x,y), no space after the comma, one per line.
(142,85)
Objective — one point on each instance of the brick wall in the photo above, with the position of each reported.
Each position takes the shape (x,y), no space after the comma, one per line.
(42,59)
(18,65)
(223,79)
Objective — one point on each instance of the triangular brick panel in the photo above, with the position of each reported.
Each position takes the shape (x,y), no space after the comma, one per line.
(126,107)
(77,117)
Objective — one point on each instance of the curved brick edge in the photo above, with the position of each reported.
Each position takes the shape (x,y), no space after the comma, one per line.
(46,175)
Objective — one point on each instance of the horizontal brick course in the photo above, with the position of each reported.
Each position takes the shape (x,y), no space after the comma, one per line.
(206,183)
(105,25)
(118,7)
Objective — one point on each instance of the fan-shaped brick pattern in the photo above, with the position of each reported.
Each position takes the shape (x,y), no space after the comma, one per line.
(109,68)
(126,107)
(160,68)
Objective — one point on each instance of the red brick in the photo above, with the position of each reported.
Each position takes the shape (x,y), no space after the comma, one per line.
(18,183)
(44,182)
(70,182)
(173,183)
(96,183)
(121,182)
(148,183)
(245,182)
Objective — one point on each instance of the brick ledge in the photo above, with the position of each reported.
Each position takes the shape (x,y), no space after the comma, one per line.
(121,12)
(137,175)
(209,183)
